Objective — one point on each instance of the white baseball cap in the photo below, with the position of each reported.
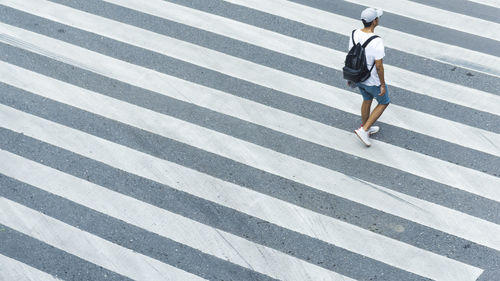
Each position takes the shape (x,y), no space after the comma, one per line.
(369,14)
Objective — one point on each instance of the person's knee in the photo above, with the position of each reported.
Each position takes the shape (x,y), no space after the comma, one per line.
(382,106)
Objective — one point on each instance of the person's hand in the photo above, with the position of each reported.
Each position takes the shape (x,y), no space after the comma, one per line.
(382,90)
(351,84)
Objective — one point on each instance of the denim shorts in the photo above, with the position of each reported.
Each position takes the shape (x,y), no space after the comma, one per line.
(370,92)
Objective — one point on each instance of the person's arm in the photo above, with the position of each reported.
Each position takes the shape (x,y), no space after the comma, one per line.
(380,70)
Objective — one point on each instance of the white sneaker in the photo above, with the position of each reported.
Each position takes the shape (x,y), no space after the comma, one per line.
(373,130)
(363,136)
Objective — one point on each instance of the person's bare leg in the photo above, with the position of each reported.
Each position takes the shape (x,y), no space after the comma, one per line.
(376,113)
(365,110)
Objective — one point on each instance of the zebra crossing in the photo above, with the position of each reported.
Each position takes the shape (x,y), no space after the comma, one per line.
(491,3)
(186,140)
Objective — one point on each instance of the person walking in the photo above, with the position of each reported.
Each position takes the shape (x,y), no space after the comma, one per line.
(374,86)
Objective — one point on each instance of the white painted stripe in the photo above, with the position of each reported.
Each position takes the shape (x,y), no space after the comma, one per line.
(207,239)
(395,39)
(11,269)
(252,72)
(412,162)
(450,131)
(87,246)
(492,3)
(488,234)
(429,14)
(275,211)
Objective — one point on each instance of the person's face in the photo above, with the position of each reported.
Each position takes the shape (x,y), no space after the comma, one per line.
(377,21)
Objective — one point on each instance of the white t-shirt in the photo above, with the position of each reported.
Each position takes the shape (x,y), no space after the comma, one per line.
(374,51)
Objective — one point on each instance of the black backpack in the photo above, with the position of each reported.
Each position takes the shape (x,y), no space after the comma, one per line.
(355,68)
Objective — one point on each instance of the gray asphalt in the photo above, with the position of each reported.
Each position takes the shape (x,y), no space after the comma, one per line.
(68,267)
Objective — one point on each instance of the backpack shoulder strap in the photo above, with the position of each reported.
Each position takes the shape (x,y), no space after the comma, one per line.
(366,44)
(369,40)
(352,37)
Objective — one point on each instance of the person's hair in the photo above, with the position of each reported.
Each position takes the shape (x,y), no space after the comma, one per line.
(368,24)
